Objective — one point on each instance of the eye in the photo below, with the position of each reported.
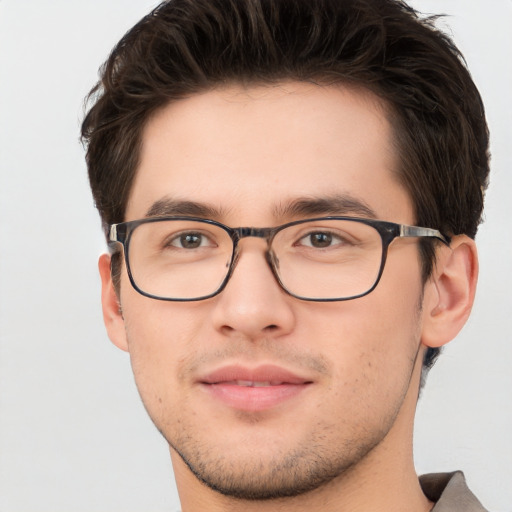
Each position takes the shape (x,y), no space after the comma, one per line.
(321,240)
(189,240)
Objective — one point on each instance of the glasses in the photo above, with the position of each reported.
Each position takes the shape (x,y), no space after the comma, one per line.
(322,259)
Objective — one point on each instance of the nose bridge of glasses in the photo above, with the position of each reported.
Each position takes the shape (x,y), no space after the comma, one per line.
(265,233)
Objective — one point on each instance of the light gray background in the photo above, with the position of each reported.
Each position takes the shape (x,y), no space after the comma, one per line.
(73,433)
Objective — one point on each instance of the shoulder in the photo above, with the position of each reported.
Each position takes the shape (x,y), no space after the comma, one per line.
(450,493)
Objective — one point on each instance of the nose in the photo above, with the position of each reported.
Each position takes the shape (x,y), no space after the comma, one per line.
(253,304)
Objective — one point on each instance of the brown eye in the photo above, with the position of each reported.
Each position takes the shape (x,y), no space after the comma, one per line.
(320,240)
(189,240)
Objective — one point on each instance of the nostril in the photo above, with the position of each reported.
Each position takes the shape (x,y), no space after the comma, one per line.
(227,329)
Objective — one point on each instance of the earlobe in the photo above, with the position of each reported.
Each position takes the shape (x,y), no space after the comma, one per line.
(450,292)
(112,314)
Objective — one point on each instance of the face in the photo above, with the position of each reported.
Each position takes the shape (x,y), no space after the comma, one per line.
(262,394)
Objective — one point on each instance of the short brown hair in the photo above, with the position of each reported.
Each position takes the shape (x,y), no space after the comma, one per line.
(189,46)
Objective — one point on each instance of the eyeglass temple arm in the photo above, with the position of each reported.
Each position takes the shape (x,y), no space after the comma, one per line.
(112,234)
(413,231)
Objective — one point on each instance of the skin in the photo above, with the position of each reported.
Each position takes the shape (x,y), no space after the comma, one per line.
(344,442)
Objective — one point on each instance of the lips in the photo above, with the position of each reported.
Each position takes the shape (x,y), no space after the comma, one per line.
(254,384)
(267,374)
(253,389)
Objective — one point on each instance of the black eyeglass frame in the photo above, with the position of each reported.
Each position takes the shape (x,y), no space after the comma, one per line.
(121,234)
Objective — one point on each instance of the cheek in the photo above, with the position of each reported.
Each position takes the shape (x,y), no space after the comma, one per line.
(160,339)
(373,341)
(374,364)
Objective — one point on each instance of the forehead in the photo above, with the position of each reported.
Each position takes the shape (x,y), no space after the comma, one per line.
(249,152)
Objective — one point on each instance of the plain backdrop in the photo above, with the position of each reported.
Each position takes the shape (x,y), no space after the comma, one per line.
(73,434)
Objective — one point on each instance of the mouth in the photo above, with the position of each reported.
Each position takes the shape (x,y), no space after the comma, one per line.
(253,384)
(254,389)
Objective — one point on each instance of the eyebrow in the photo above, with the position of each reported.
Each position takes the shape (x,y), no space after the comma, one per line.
(169,207)
(302,207)
(344,204)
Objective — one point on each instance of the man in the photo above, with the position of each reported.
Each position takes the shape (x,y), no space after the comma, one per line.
(291,190)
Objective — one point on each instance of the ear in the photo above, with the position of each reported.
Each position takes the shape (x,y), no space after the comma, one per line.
(112,314)
(450,291)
